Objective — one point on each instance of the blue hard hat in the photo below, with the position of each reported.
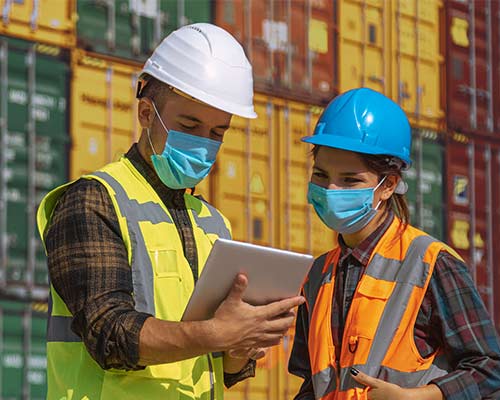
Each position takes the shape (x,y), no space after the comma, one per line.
(364,121)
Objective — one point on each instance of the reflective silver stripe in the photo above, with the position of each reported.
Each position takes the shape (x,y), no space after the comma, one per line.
(213,224)
(314,282)
(394,271)
(142,270)
(410,274)
(211,374)
(59,330)
(403,379)
(324,382)
(346,380)
(413,271)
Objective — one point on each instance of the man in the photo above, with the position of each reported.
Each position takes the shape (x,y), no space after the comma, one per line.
(126,244)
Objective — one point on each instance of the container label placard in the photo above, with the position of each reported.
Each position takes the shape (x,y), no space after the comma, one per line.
(461,190)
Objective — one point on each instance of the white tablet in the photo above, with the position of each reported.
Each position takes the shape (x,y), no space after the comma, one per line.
(273,274)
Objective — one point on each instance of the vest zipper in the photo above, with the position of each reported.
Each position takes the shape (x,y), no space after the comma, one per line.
(211,370)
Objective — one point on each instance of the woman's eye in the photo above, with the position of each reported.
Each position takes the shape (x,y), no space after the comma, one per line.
(352,180)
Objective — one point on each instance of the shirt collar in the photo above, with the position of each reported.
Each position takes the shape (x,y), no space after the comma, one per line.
(166,194)
(364,250)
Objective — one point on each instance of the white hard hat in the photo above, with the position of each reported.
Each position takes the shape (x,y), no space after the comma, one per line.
(207,63)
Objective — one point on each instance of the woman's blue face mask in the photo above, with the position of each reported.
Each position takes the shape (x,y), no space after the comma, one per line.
(343,210)
(186,159)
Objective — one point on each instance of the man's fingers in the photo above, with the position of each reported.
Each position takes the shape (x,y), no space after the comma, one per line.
(364,379)
(281,307)
(240,283)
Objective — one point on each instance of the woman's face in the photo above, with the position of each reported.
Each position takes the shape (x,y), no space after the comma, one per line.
(341,169)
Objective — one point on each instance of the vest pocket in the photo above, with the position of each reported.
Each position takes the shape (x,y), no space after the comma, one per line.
(165,263)
(368,305)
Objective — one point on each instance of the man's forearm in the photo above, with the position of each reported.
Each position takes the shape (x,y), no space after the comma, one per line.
(163,342)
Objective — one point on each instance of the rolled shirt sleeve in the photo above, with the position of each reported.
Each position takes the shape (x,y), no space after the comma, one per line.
(88,267)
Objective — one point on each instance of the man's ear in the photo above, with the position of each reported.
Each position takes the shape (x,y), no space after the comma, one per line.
(145,112)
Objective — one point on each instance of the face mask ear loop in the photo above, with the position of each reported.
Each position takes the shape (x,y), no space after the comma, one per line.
(379,184)
(150,142)
(158,115)
(375,189)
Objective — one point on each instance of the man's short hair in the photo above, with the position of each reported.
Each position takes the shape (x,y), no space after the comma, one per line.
(155,90)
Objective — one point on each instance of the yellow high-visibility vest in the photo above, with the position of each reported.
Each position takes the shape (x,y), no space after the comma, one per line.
(162,283)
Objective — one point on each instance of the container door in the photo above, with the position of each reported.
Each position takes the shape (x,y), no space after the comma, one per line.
(34,148)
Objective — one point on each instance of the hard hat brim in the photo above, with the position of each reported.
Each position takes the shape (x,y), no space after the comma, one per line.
(344,143)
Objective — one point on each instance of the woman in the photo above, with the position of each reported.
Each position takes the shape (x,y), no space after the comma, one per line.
(391,313)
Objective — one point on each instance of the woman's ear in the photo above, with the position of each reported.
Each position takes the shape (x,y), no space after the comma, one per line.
(389,186)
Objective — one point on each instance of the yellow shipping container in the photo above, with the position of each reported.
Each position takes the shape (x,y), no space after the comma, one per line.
(393,46)
(103,111)
(104,120)
(260,184)
(272,380)
(261,176)
(51,22)
(299,227)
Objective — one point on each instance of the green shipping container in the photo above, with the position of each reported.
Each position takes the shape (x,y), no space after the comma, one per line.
(23,352)
(425,183)
(133,28)
(34,140)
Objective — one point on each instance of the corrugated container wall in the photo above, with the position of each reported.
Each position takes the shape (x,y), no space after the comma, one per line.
(473,196)
(34,142)
(289,43)
(133,28)
(103,111)
(51,22)
(394,47)
(260,184)
(272,380)
(261,175)
(473,69)
(23,355)
(426,191)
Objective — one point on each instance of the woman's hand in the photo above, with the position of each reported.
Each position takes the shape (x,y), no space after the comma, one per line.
(235,360)
(382,390)
(252,354)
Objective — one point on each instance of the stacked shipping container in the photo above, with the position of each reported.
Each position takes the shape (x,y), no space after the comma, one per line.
(303,52)
(289,43)
(472,34)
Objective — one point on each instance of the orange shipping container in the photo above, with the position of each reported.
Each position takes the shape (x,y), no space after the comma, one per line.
(289,43)
(50,22)
(394,47)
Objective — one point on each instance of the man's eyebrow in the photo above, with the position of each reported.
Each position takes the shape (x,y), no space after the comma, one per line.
(190,117)
(194,119)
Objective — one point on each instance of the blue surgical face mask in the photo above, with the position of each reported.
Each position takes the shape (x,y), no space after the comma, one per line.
(343,210)
(186,159)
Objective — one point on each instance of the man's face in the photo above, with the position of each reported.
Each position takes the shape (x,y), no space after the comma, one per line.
(182,114)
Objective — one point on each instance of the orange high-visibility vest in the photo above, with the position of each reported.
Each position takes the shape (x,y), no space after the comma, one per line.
(378,337)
